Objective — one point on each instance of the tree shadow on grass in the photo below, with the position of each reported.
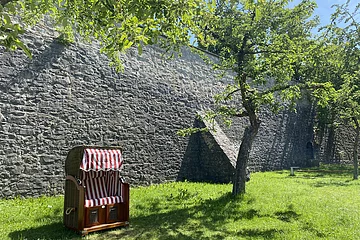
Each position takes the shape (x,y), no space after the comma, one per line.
(328,170)
(330,176)
(266,234)
(322,174)
(50,227)
(335,183)
(54,231)
(203,221)
(342,179)
(287,216)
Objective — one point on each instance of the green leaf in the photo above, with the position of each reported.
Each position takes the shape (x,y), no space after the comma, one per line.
(24,48)
(257,14)
(6,19)
(139,49)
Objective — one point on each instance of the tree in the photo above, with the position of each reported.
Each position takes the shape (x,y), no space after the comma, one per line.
(116,24)
(348,102)
(268,46)
(344,32)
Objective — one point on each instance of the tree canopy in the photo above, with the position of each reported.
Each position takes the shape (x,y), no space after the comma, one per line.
(343,37)
(270,48)
(116,24)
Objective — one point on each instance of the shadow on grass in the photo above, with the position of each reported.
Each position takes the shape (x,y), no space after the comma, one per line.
(287,216)
(328,170)
(327,178)
(203,221)
(323,177)
(322,173)
(50,227)
(54,231)
(325,173)
(265,234)
(339,183)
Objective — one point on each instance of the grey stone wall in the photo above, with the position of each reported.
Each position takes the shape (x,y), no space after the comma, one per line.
(335,143)
(282,140)
(68,95)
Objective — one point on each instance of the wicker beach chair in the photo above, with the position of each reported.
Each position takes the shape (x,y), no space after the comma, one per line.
(96,197)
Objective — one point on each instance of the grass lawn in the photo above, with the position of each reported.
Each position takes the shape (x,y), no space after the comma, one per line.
(309,205)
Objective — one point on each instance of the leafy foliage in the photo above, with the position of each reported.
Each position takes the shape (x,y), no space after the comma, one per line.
(116,24)
(270,48)
(347,40)
(343,36)
(271,51)
(10,31)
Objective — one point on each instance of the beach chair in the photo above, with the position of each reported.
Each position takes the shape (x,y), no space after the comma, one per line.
(96,197)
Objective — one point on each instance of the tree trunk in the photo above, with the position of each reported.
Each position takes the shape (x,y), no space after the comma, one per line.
(243,157)
(355,152)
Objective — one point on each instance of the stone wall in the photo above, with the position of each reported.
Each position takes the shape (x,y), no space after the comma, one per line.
(68,95)
(335,143)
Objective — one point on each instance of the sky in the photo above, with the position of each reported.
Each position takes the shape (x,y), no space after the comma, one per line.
(324,9)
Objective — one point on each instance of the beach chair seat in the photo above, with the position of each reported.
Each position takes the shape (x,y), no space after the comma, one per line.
(101,188)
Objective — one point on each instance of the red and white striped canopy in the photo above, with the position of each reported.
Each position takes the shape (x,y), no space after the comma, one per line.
(101,159)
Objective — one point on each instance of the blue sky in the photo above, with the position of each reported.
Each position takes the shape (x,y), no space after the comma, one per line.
(324,9)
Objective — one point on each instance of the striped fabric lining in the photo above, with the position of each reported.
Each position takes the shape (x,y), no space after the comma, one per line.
(113,188)
(101,159)
(101,188)
(103,201)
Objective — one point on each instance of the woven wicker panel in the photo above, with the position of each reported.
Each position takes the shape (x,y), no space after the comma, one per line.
(71,200)
(73,160)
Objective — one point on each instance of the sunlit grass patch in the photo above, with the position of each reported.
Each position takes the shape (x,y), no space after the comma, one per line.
(276,206)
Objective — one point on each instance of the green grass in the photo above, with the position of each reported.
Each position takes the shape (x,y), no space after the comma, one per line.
(309,205)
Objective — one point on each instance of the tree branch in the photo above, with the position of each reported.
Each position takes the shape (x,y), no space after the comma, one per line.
(275,89)
(346,11)
(231,111)
(263,51)
(241,114)
(312,86)
(232,92)
(355,122)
